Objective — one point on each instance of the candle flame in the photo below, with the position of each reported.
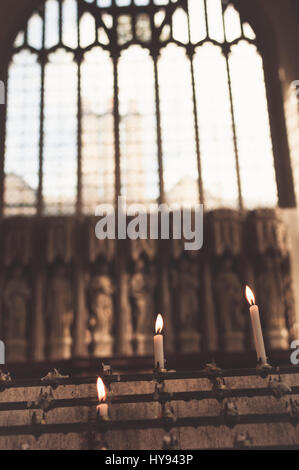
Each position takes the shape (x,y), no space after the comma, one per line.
(159,324)
(249,296)
(101,389)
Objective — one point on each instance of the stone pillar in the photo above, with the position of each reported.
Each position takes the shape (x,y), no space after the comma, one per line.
(80,321)
(210,327)
(291,219)
(124,329)
(38,327)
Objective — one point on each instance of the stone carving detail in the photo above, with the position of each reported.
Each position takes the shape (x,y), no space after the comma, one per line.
(101,304)
(59,240)
(125,326)
(149,276)
(271,301)
(142,294)
(59,313)
(98,248)
(229,298)
(269,232)
(185,285)
(145,248)
(16,297)
(17,242)
(226,229)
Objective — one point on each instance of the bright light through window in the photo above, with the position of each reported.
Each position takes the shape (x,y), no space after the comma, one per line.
(105,101)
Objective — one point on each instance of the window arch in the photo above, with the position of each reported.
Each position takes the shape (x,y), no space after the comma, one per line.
(153,99)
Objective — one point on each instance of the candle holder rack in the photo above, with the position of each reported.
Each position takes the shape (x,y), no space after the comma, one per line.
(197,408)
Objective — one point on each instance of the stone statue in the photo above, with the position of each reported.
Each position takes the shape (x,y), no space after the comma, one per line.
(16,296)
(189,295)
(60,314)
(100,295)
(138,296)
(271,304)
(141,293)
(185,282)
(229,301)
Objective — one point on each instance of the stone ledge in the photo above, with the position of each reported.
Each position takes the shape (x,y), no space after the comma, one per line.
(135,411)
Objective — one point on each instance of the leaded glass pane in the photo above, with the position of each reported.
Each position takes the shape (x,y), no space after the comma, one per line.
(252,124)
(98,165)
(177,120)
(60,140)
(139,161)
(215,128)
(22,135)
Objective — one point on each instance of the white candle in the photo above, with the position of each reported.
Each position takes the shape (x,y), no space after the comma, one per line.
(102,408)
(158,344)
(256,327)
(102,411)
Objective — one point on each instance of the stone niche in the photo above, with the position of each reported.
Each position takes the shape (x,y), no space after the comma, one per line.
(66,294)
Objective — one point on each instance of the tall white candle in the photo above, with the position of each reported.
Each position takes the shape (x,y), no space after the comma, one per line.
(256,327)
(102,408)
(158,344)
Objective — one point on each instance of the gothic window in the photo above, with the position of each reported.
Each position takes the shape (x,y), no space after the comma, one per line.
(157,100)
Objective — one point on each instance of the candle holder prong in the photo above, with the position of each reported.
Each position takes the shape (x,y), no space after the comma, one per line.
(159,390)
(292,407)
(278,387)
(220,388)
(107,369)
(104,446)
(263,369)
(230,412)
(4,380)
(243,440)
(157,373)
(54,378)
(170,442)
(167,413)
(35,419)
(212,370)
(44,400)
(37,423)
(212,367)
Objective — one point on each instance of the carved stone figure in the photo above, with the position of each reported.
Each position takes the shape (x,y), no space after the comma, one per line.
(16,296)
(60,314)
(141,293)
(271,303)
(189,287)
(229,302)
(185,280)
(101,292)
(124,325)
(138,296)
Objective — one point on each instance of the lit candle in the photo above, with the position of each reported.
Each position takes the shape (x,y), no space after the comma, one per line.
(158,344)
(102,408)
(256,326)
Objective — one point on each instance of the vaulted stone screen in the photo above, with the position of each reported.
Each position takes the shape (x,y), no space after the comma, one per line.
(158,101)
